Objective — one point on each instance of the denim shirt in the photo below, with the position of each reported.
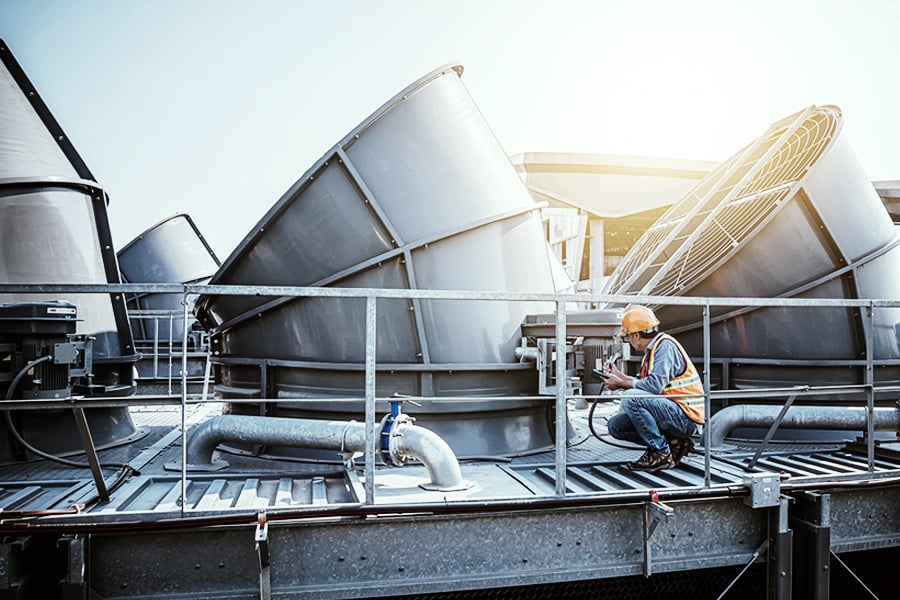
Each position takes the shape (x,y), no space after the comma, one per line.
(667,364)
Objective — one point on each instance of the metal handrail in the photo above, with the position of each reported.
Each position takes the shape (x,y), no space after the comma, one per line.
(560,300)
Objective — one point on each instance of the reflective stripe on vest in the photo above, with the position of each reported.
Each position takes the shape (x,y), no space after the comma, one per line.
(688,383)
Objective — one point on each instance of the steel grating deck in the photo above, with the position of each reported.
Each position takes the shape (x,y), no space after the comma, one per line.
(593,468)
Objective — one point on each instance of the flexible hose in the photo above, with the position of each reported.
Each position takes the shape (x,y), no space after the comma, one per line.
(600,436)
(15,432)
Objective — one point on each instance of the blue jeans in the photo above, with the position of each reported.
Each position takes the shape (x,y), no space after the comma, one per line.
(650,421)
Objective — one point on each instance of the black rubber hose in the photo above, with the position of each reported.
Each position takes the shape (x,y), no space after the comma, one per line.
(15,432)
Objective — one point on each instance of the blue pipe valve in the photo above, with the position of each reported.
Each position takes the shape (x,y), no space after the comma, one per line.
(391,426)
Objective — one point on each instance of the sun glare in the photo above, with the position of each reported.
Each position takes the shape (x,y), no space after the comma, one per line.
(664,104)
(667,108)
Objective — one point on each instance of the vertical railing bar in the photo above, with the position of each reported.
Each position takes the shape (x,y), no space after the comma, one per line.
(155,347)
(870,385)
(560,398)
(184,302)
(370,399)
(171,339)
(707,480)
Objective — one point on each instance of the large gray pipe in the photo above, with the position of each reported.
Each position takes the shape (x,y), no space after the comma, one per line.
(406,440)
(799,417)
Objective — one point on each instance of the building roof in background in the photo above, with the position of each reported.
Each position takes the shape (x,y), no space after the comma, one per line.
(609,185)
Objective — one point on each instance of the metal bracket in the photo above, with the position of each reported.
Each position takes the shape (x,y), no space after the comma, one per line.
(654,512)
(546,366)
(765,490)
(91,452)
(780,569)
(262,549)
(771,432)
(73,585)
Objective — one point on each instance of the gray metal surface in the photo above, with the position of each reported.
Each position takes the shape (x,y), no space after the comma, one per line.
(54,228)
(806,417)
(53,221)
(172,251)
(508,530)
(790,215)
(420,195)
(425,554)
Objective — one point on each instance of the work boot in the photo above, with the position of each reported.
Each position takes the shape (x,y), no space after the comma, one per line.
(653,460)
(680,447)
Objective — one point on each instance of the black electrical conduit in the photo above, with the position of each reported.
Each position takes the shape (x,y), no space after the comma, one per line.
(126,469)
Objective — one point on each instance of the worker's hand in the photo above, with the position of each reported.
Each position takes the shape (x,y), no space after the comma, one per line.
(616,379)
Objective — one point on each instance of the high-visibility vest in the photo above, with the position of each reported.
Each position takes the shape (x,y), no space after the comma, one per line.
(688,383)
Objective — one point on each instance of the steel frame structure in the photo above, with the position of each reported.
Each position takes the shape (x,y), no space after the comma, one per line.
(371,548)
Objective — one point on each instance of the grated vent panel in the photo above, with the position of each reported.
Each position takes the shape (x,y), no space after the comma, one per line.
(722,212)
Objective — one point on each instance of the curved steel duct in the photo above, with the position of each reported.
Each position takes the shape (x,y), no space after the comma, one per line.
(172,251)
(419,195)
(54,229)
(835,418)
(790,215)
(349,438)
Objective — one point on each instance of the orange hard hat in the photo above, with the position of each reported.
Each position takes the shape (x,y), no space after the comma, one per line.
(638,318)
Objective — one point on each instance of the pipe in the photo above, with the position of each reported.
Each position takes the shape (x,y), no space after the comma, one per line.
(799,417)
(406,440)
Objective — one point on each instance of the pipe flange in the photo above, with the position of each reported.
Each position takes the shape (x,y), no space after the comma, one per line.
(396,454)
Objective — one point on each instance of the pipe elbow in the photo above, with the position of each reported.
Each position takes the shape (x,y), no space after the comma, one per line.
(723,422)
(202,442)
(432,451)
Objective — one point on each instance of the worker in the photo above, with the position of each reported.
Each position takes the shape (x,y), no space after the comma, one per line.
(663,407)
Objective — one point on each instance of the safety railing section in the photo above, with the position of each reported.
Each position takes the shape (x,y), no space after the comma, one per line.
(561,302)
(160,347)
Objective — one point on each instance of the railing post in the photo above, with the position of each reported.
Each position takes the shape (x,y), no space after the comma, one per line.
(172,336)
(707,405)
(870,385)
(155,347)
(184,303)
(560,397)
(370,399)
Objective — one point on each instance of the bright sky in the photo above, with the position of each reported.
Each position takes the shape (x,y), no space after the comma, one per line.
(216,107)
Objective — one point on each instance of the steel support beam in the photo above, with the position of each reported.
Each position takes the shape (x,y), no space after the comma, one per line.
(811,522)
(397,555)
(780,563)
